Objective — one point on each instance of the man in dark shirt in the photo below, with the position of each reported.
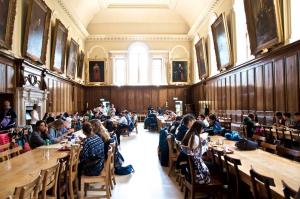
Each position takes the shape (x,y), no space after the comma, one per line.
(186,123)
(8,117)
(296,123)
(38,137)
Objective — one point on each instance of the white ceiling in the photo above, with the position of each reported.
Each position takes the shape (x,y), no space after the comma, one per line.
(179,15)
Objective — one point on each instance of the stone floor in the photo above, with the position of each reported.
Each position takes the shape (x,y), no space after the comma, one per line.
(150,180)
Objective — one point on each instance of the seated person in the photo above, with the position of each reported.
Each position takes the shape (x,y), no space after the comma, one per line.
(193,143)
(186,123)
(287,119)
(39,136)
(204,120)
(123,123)
(175,124)
(296,123)
(109,125)
(130,123)
(134,117)
(8,117)
(214,125)
(279,119)
(250,125)
(100,130)
(92,155)
(56,131)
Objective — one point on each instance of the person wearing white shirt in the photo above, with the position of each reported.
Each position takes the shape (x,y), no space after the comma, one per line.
(123,123)
(204,120)
(34,115)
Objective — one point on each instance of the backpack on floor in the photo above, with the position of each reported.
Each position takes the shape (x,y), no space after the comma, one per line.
(124,170)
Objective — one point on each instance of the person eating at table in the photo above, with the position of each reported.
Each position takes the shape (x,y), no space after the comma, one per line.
(123,123)
(279,119)
(250,125)
(203,119)
(92,155)
(40,135)
(174,125)
(296,123)
(287,119)
(56,131)
(214,125)
(186,123)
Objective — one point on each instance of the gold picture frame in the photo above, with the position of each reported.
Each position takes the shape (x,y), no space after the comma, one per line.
(36,31)
(201,58)
(264,23)
(96,72)
(59,47)
(179,70)
(72,59)
(222,43)
(80,65)
(8,9)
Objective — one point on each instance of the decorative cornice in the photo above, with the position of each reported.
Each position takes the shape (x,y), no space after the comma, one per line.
(145,37)
(76,22)
(201,19)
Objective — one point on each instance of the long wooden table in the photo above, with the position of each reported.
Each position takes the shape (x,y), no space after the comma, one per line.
(24,168)
(266,164)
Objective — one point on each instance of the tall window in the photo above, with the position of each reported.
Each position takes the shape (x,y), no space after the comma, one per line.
(294,17)
(242,37)
(157,68)
(212,54)
(119,71)
(138,64)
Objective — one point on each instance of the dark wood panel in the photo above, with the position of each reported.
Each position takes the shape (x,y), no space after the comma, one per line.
(268,85)
(279,85)
(2,78)
(251,89)
(292,83)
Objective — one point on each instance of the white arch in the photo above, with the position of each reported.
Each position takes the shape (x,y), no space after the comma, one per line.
(95,47)
(180,46)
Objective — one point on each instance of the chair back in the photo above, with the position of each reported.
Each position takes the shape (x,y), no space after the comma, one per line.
(112,161)
(192,170)
(233,162)
(62,176)
(49,180)
(288,191)
(217,159)
(292,153)
(107,163)
(15,151)
(73,164)
(28,191)
(170,140)
(257,179)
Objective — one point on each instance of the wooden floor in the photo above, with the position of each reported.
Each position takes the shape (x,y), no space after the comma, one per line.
(150,180)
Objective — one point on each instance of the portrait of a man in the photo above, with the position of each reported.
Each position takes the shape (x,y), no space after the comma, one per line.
(4,4)
(96,71)
(179,71)
(7,18)
(72,59)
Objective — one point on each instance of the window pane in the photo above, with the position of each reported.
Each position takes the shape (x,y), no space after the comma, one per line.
(120,71)
(157,71)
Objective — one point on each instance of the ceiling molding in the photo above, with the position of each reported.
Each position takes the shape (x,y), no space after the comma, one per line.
(76,22)
(136,5)
(145,37)
(193,30)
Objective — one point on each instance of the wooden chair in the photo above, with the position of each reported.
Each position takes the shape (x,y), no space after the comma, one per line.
(217,161)
(214,188)
(72,171)
(4,147)
(233,162)
(258,179)
(49,179)
(15,151)
(62,189)
(172,154)
(286,152)
(4,156)
(28,191)
(268,147)
(112,165)
(288,191)
(103,178)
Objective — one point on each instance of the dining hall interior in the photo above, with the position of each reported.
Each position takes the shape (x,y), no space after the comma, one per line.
(149,99)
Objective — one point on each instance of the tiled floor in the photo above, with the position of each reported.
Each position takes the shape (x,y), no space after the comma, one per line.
(150,180)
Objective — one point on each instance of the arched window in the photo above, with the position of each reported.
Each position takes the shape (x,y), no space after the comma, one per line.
(243,52)
(294,17)
(138,68)
(212,55)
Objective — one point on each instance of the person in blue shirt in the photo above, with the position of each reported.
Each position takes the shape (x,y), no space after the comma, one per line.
(214,124)
(186,123)
(56,131)
(92,156)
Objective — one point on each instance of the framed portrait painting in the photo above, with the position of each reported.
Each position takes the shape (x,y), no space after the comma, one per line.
(180,71)
(264,24)
(80,65)
(72,59)
(96,71)
(7,18)
(36,31)
(222,42)
(201,58)
(59,46)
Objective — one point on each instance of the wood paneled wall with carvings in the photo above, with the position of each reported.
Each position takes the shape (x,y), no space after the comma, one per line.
(7,74)
(262,86)
(136,98)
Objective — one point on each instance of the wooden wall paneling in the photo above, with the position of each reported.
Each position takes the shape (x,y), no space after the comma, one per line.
(215,98)
(228,97)
(279,84)
(154,97)
(171,94)
(251,90)
(269,92)
(10,79)
(163,97)
(2,78)
(140,101)
(114,97)
(233,96)
(131,99)
(147,96)
(244,92)
(223,96)
(292,83)
(238,97)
